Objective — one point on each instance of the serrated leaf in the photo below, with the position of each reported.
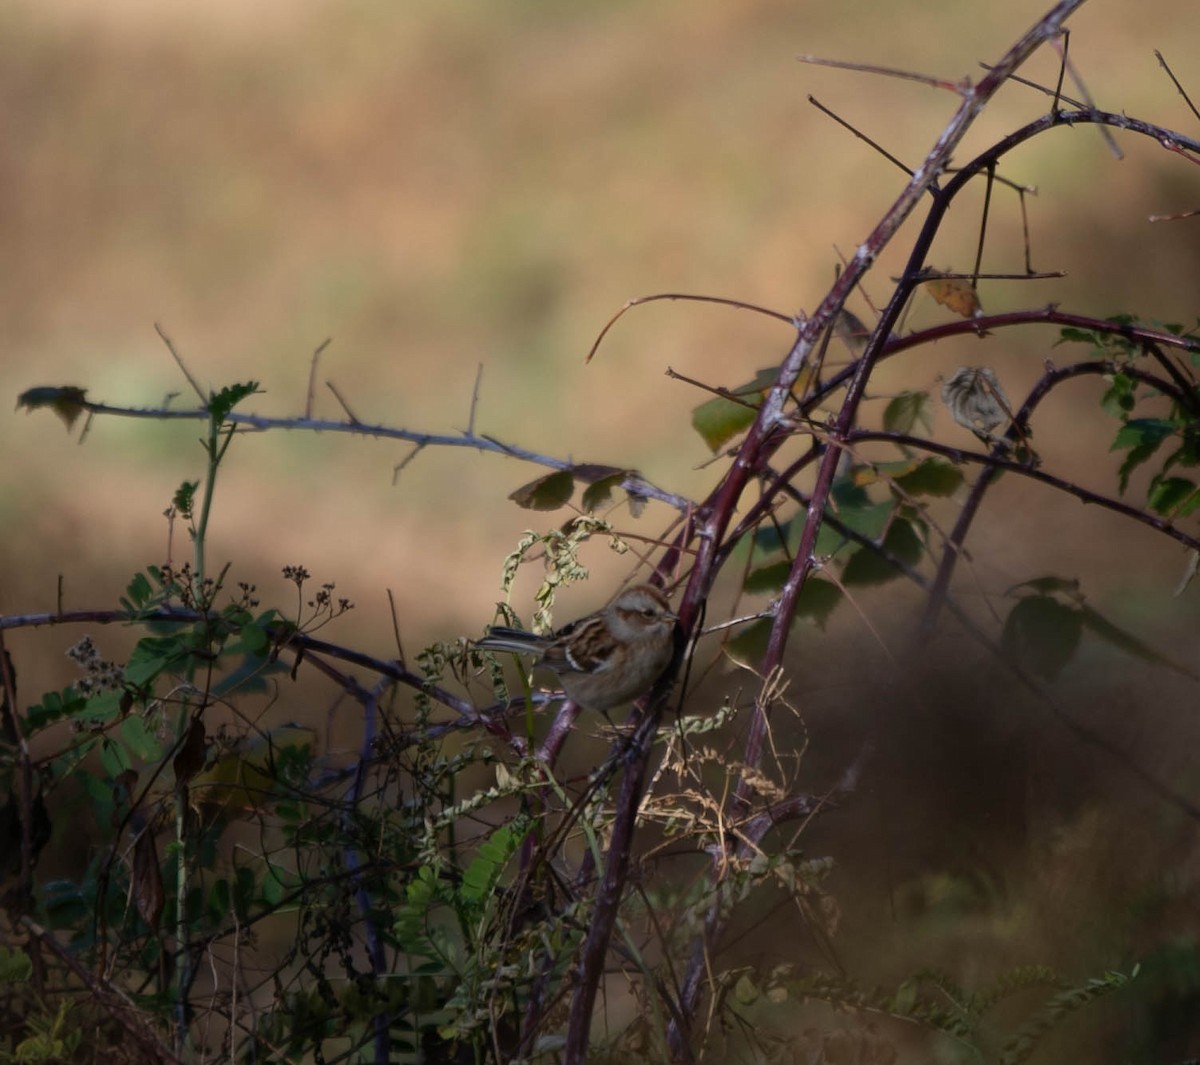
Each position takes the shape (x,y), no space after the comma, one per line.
(869,520)
(1133,460)
(906,411)
(1137,432)
(150,657)
(222,402)
(141,742)
(865,476)
(767,579)
(67,401)
(114,758)
(719,420)
(1173,496)
(1069,334)
(1042,634)
(183,497)
(481,875)
(1119,400)
(546,493)
(600,491)
(933,477)
(816,602)
(868,566)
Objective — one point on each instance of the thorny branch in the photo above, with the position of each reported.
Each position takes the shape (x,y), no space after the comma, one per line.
(709,534)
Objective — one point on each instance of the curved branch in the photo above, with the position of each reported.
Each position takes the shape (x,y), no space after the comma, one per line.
(633,483)
(299,641)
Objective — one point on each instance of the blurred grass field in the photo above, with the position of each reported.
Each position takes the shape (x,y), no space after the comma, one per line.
(440,188)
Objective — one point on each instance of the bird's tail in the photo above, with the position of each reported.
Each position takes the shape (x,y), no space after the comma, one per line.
(501,638)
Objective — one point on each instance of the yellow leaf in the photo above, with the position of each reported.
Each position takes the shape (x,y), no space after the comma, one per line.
(957,293)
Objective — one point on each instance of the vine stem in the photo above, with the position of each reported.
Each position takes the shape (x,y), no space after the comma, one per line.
(924,179)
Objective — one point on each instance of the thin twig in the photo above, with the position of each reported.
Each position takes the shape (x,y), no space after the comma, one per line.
(1173,217)
(637,301)
(396,626)
(860,135)
(399,467)
(312,375)
(180,363)
(1053,93)
(353,418)
(962,87)
(1175,81)
(716,390)
(1063,49)
(983,221)
(474,401)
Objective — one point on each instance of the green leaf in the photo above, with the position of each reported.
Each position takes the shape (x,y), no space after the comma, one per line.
(140,741)
(1119,400)
(255,639)
(183,498)
(869,520)
(1020,1048)
(15,966)
(114,758)
(599,492)
(277,882)
(1139,454)
(140,594)
(815,603)
(53,706)
(1173,496)
(847,492)
(546,493)
(151,656)
(1138,432)
(869,566)
(221,403)
(767,579)
(906,411)
(719,420)
(1071,335)
(1042,634)
(481,875)
(933,477)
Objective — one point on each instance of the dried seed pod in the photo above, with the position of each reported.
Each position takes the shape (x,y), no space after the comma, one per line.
(976,401)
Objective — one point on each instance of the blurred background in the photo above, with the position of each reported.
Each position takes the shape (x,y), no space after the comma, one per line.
(440,188)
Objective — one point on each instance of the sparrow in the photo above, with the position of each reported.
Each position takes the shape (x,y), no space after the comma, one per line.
(607,658)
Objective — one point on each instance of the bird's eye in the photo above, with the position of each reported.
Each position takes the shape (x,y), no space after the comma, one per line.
(649,613)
